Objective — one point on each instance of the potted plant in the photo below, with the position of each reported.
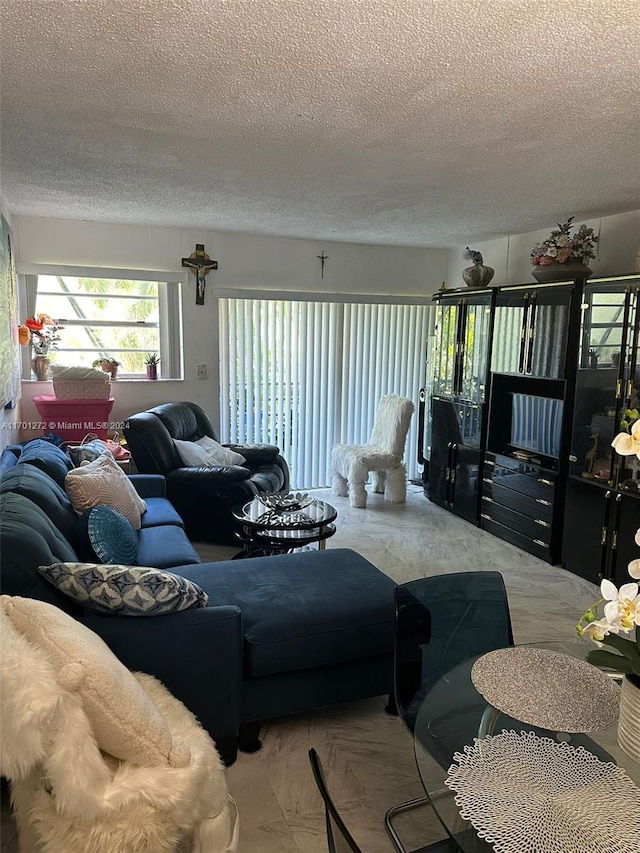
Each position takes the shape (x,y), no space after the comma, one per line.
(152,360)
(109,365)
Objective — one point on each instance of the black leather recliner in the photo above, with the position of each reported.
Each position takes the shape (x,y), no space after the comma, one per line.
(204,497)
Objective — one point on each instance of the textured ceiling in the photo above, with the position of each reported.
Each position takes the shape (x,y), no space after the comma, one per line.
(410,122)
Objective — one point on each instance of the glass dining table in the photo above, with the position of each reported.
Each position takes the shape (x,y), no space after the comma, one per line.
(454,712)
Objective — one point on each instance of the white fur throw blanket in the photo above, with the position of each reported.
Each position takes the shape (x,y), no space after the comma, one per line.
(71,798)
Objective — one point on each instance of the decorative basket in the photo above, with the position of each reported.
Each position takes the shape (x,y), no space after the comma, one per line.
(82,389)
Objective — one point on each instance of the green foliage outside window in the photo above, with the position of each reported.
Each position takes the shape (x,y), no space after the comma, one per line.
(103,318)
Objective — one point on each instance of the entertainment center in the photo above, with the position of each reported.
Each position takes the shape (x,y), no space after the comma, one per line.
(530,384)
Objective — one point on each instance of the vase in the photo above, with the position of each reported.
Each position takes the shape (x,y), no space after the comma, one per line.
(110,368)
(40,366)
(478,275)
(560,272)
(629,721)
(152,371)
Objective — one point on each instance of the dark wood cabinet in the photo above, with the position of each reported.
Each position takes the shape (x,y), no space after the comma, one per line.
(454,469)
(528,446)
(608,380)
(517,503)
(602,512)
(599,530)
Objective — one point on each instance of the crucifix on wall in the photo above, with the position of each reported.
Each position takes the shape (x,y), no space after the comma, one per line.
(322,258)
(200,265)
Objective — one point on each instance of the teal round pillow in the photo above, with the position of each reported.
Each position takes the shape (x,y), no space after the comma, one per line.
(105,532)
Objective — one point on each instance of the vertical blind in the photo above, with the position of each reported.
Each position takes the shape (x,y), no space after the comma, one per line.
(308,375)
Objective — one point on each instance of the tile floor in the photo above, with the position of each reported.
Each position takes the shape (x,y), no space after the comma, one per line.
(367,755)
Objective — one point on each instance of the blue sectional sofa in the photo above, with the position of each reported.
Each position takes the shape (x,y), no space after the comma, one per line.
(280,635)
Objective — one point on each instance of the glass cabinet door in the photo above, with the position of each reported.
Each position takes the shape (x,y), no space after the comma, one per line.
(444,360)
(508,336)
(531,329)
(475,348)
(607,383)
(547,330)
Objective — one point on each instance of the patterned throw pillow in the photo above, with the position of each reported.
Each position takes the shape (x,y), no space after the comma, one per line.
(104,533)
(104,482)
(127,590)
(87,452)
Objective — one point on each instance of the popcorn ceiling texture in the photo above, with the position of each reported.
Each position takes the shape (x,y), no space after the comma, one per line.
(404,122)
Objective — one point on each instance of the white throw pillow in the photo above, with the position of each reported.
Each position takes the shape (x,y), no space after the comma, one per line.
(206,452)
(126,722)
(104,482)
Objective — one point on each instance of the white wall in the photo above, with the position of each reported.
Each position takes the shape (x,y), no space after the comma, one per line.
(245,261)
(618,250)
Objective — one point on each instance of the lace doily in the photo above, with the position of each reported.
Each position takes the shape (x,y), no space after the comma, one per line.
(549,689)
(527,794)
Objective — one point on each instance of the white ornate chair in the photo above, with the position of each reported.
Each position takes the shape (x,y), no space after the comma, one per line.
(99,758)
(351,463)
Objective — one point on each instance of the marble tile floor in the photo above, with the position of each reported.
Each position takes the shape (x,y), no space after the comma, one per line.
(367,755)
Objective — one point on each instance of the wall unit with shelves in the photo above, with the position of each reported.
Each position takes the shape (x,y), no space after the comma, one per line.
(537,451)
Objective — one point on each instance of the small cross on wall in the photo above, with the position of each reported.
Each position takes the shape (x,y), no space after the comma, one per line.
(322,258)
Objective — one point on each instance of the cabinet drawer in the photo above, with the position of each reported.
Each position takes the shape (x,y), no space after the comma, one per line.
(541,508)
(522,477)
(532,546)
(533,528)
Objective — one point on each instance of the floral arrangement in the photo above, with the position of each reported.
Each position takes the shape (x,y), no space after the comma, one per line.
(562,247)
(41,332)
(621,615)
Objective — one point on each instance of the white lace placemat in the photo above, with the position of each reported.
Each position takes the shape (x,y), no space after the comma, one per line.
(527,794)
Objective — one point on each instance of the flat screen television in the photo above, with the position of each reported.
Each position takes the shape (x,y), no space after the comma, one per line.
(536,424)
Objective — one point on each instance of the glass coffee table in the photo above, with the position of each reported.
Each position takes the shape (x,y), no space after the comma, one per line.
(447,736)
(265,531)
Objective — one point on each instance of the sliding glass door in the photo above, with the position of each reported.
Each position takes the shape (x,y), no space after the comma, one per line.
(307,375)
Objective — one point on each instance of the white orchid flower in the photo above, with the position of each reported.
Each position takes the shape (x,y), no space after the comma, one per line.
(634,569)
(626,444)
(623,605)
(598,630)
(638,537)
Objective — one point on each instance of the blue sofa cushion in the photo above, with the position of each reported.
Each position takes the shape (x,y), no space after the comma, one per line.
(305,610)
(159,511)
(35,484)
(29,539)
(104,533)
(165,546)
(124,590)
(48,458)
(9,457)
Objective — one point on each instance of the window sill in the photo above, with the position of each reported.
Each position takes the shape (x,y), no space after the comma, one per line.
(118,381)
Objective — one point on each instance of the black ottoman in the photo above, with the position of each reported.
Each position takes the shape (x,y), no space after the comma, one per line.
(318,629)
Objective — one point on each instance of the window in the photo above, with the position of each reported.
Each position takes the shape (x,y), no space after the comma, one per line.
(122,317)
(307,375)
